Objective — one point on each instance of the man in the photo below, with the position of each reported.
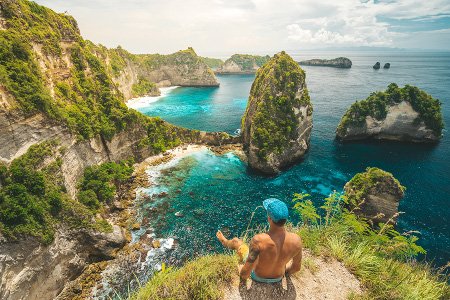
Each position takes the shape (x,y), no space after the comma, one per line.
(273,254)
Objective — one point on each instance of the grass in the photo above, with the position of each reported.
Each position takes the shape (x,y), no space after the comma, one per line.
(199,279)
(374,260)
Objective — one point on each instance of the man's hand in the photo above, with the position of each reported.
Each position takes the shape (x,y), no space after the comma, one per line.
(240,269)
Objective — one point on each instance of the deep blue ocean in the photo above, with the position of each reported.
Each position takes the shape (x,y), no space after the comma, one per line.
(219,192)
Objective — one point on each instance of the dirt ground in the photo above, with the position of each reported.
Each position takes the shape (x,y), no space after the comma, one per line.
(319,278)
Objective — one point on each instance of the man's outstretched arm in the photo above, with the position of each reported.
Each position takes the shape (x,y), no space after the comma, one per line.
(253,254)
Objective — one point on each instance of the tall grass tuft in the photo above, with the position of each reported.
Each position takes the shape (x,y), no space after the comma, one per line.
(199,279)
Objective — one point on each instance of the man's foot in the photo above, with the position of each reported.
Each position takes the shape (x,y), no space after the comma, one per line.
(221,238)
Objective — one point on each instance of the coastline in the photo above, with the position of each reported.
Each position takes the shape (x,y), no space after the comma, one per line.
(141,102)
(145,251)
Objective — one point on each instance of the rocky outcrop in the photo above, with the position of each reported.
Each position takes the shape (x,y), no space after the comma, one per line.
(242,64)
(30,270)
(340,62)
(277,123)
(398,114)
(386,66)
(377,65)
(377,193)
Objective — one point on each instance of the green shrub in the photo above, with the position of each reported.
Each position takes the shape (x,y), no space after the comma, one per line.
(30,196)
(144,87)
(99,183)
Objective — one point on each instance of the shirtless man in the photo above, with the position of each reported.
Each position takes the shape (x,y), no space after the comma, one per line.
(273,254)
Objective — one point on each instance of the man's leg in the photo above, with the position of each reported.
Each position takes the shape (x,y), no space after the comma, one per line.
(232,244)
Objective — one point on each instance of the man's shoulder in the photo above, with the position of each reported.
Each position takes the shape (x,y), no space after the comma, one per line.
(260,237)
(295,239)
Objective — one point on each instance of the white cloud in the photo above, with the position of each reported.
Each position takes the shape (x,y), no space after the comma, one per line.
(228,26)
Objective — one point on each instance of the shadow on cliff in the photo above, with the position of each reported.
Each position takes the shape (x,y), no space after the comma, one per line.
(262,291)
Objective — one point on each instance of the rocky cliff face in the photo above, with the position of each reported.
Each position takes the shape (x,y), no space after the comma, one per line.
(377,193)
(340,62)
(399,114)
(277,123)
(242,64)
(183,68)
(30,270)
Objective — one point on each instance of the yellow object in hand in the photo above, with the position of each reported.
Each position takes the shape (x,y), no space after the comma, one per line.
(242,253)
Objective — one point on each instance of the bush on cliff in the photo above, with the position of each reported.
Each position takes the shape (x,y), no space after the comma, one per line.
(99,183)
(377,105)
(31,196)
(383,259)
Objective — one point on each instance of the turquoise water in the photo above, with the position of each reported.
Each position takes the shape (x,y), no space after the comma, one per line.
(220,192)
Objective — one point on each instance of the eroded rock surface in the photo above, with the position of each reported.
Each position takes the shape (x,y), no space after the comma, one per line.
(377,193)
(398,114)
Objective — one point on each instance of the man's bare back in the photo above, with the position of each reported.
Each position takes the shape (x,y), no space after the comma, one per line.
(271,254)
(275,251)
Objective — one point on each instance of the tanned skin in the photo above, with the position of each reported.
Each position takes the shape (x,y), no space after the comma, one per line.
(271,254)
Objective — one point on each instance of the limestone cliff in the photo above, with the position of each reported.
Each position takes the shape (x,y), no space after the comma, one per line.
(242,64)
(340,62)
(277,123)
(182,68)
(399,114)
(377,193)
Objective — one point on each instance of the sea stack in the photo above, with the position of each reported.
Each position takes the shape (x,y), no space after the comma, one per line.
(387,66)
(277,123)
(377,65)
(340,62)
(377,193)
(400,114)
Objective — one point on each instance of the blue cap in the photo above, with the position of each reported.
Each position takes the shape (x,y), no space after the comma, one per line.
(276,209)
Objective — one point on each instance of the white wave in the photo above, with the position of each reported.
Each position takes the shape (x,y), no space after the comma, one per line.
(142,102)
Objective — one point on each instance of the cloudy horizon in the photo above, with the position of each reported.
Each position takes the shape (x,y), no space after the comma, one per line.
(259,26)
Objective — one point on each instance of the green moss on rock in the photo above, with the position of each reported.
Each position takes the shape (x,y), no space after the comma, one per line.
(274,121)
(144,87)
(372,181)
(378,103)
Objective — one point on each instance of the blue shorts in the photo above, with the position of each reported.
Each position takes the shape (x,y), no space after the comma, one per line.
(264,280)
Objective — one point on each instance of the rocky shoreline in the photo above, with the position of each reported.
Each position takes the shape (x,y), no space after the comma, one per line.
(96,278)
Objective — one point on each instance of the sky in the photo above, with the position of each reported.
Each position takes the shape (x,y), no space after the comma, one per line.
(259,26)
